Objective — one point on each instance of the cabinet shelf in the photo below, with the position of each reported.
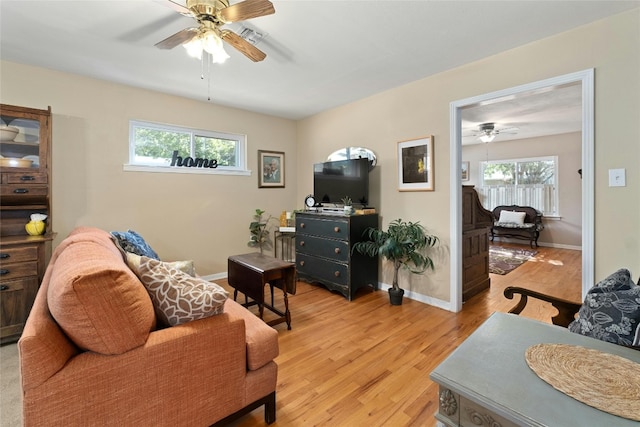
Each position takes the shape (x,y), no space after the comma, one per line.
(21,143)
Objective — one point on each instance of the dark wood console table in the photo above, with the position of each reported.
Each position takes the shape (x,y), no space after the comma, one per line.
(249,273)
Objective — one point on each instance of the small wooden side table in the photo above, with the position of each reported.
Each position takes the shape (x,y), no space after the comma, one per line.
(286,241)
(249,273)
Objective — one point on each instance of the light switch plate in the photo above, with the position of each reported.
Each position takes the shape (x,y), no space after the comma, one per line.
(617,178)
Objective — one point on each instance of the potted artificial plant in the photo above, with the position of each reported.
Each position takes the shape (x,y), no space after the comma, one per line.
(348,205)
(403,244)
(259,233)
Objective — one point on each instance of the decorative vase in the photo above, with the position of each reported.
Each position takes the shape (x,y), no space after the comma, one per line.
(348,210)
(35,228)
(395,296)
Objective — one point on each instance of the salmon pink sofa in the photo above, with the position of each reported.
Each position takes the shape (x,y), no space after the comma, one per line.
(93,352)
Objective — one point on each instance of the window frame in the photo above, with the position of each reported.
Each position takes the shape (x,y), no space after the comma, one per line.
(556,183)
(240,146)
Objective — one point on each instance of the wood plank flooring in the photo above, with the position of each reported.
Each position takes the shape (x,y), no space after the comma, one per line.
(367,363)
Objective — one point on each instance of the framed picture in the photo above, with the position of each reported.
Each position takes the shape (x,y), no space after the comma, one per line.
(415,164)
(465,171)
(271,169)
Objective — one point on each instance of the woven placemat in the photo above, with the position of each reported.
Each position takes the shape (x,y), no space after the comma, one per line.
(604,381)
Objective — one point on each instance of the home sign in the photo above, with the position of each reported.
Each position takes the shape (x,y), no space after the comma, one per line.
(190,162)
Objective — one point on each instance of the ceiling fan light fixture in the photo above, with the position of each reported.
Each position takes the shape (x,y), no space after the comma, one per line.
(212,44)
(194,47)
(487,138)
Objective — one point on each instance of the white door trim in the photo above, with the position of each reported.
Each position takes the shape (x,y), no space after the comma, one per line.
(586,78)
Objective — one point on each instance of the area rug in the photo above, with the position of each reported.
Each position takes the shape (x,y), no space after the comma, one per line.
(503,260)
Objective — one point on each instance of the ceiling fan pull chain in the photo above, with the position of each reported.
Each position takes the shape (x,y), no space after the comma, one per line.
(209,82)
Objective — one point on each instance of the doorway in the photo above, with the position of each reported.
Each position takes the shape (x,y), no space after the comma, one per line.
(586,80)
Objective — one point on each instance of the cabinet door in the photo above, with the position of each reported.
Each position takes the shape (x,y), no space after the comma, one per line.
(16,299)
(23,141)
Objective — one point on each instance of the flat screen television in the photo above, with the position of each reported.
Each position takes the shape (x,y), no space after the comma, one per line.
(332,181)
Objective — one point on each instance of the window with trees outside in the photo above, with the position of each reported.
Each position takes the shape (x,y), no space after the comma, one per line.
(161,148)
(524,182)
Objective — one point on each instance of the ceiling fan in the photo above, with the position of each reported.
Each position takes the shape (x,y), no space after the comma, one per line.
(487,131)
(211,15)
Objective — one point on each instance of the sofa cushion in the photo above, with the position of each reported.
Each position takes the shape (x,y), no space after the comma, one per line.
(611,311)
(262,340)
(512,217)
(96,299)
(133,261)
(130,241)
(177,297)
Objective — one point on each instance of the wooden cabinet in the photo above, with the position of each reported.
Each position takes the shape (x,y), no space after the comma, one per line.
(25,189)
(476,224)
(323,252)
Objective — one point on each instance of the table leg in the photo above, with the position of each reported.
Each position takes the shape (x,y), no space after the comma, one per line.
(287,313)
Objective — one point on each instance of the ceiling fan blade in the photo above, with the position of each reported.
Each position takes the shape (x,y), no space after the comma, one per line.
(175,6)
(508,130)
(177,39)
(246,10)
(249,50)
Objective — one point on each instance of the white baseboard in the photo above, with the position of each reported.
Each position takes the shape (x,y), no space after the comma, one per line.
(560,246)
(545,244)
(214,277)
(445,305)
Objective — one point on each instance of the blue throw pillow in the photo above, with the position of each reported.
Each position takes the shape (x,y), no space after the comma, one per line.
(130,241)
(611,311)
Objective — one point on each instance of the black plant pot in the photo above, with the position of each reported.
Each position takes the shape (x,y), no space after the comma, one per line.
(395,296)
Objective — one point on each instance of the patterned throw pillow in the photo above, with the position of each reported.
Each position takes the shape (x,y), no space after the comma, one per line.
(177,297)
(130,241)
(133,260)
(611,311)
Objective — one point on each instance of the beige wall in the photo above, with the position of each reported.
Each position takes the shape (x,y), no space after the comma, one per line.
(566,230)
(206,217)
(611,47)
(183,216)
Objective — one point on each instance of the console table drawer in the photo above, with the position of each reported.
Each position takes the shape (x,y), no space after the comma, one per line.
(329,228)
(18,254)
(322,269)
(25,194)
(337,250)
(26,178)
(21,269)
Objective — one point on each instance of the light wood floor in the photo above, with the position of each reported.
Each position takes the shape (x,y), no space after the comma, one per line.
(367,363)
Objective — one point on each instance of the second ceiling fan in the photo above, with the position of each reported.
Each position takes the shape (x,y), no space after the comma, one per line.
(488,131)
(211,15)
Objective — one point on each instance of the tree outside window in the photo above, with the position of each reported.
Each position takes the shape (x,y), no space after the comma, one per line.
(523,182)
(153,144)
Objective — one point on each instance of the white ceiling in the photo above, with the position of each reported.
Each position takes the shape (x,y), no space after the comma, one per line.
(320,54)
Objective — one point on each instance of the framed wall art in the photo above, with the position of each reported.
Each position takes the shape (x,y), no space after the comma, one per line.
(465,171)
(271,169)
(415,164)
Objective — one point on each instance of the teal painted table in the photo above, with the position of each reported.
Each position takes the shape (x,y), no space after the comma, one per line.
(486,381)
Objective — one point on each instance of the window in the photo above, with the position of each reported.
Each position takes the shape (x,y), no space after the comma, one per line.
(524,182)
(161,148)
